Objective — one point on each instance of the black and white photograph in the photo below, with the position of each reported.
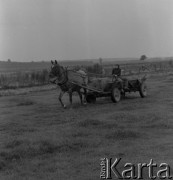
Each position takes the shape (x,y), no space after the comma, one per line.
(86,89)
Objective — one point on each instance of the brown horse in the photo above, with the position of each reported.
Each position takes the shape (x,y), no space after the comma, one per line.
(59,75)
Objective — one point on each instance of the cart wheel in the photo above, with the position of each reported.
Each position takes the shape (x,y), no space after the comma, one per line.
(143,90)
(116,95)
(90,98)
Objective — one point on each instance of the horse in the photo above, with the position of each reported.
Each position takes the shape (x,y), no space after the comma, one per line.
(59,75)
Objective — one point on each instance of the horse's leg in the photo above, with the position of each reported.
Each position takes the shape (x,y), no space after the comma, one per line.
(70,97)
(85,93)
(80,95)
(60,98)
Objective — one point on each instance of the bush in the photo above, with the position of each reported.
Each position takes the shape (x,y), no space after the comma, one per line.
(24,79)
(96,68)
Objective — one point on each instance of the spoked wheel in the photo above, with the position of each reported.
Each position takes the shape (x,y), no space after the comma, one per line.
(91,98)
(143,90)
(116,95)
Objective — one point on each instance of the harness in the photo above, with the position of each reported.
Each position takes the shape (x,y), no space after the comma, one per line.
(64,81)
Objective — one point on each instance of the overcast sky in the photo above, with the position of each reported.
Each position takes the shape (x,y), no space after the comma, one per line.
(84,29)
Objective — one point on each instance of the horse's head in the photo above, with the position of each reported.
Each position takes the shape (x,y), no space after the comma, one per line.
(56,72)
(55,69)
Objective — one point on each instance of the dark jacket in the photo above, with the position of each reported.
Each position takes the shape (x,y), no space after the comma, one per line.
(116,71)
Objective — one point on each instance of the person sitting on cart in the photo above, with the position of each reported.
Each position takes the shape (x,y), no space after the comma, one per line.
(116,71)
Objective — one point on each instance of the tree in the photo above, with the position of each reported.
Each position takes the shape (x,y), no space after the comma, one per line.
(100,61)
(9,60)
(143,57)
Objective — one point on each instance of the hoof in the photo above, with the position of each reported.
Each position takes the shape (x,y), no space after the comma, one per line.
(64,106)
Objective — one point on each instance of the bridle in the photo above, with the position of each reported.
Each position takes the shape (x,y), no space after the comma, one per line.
(62,74)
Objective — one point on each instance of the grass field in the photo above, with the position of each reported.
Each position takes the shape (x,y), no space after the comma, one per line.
(40,140)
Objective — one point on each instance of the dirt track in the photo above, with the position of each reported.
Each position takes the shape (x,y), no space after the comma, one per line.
(40,140)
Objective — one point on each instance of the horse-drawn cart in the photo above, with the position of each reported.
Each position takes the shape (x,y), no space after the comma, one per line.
(71,81)
(112,86)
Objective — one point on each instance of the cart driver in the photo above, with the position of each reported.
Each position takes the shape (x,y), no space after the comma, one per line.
(117,72)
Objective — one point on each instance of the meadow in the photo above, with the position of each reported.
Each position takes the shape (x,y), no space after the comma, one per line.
(41,140)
